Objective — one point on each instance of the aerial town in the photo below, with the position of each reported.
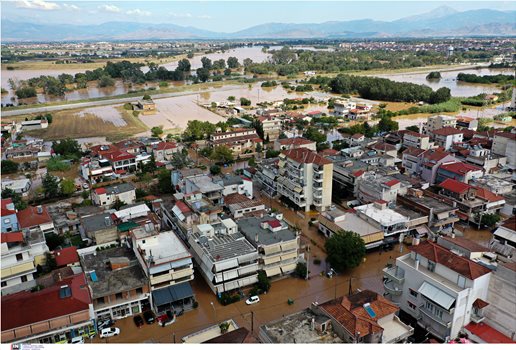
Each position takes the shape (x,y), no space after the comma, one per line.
(257,189)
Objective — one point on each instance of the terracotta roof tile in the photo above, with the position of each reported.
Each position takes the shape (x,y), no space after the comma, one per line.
(29,217)
(295,141)
(454,186)
(306,156)
(66,256)
(459,168)
(4,203)
(447,131)
(11,237)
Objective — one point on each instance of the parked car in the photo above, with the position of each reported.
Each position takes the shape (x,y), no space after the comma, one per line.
(166,319)
(253,300)
(149,317)
(105,323)
(85,186)
(109,332)
(138,321)
(77,340)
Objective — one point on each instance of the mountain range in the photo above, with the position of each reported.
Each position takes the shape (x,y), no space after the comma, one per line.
(441,22)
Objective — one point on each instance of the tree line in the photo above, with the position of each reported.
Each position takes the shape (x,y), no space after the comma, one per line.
(485,79)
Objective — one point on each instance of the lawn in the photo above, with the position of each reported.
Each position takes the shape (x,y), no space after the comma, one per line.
(67,124)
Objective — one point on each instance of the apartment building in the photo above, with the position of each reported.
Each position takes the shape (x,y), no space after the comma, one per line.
(412,160)
(54,314)
(94,170)
(271,126)
(241,142)
(226,259)
(240,206)
(168,265)
(119,287)
(106,196)
(388,221)
(343,107)
(164,151)
(372,187)
(276,243)
(305,179)
(437,288)
(205,185)
(446,137)
(266,176)
(504,144)
(431,161)
(438,122)
(459,171)
(293,143)
(416,140)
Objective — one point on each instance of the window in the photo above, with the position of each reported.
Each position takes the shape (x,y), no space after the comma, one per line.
(7,221)
(431,266)
(118,296)
(23,279)
(4,284)
(139,290)
(461,281)
(411,305)
(413,293)
(19,257)
(100,301)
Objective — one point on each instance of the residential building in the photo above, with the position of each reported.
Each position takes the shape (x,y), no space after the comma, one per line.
(266,176)
(446,137)
(364,317)
(271,126)
(207,334)
(66,257)
(226,259)
(163,151)
(431,161)
(388,221)
(459,171)
(241,142)
(305,179)
(276,243)
(504,144)
(467,123)
(146,107)
(205,185)
(235,184)
(119,287)
(9,218)
(416,140)
(412,160)
(293,143)
(168,265)
(100,228)
(503,241)
(372,187)
(94,170)
(240,206)
(438,122)
(54,314)
(465,196)
(346,172)
(21,186)
(343,107)
(335,220)
(107,196)
(438,288)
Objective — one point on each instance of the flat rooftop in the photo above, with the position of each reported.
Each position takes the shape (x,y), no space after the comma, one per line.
(250,228)
(205,183)
(165,247)
(224,246)
(296,328)
(432,203)
(411,214)
(108,281)
(384,216)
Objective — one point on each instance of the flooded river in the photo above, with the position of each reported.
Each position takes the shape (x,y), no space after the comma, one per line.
(449,80)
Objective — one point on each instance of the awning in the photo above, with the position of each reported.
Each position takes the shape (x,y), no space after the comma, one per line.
(436,295)
(273,271)
(422,230)
(271,249)
(126,226)
(288,268)
(289,256)
(271,260)
(173,293)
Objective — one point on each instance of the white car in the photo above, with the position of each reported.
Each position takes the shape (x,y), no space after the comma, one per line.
(77,340)
(109,332)
(253,300)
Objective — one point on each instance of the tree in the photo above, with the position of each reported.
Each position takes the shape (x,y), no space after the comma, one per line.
(179,160)
(441,95)
(68,148)
(50,260)
(190,54)
(433,76)
(147,97)
(26,92)
(106,81)
(221,154)
(50,186)
(300,270)
(387,124)
(227,72)
(414,128)
(233,62)
(271,153)
(219,64)
(203,74)
(156,131)
(489,220)
(198,130)
(263,282)
(245,102)
(165,181)
(483,124)
(215,169)
(54,241)
(117,204)
(231,98)
(206,63)
(150,166)
(247,62)
(345,250)
(67,187)
(18,202)
(9,167)
(314,134)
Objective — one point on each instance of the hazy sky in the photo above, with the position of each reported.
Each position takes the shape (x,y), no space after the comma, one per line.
(226,16)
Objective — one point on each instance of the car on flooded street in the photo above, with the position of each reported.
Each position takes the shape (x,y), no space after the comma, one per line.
(253,300)
(109,332)
(149,317)
(138,321)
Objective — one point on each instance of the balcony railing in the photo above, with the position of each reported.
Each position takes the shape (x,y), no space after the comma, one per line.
(392,288)
(394,274)
(426,312)
(477,318)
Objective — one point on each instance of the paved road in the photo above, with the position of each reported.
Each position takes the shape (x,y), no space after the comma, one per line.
(111,101)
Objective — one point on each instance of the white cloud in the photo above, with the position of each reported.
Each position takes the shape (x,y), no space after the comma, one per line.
(138,12)
(37,5)
(181,15)
(71,7)
(109,8)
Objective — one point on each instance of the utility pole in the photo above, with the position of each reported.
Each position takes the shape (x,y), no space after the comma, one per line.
(252,322)
(174,337)
(307,260)
(350,290)
(335,284)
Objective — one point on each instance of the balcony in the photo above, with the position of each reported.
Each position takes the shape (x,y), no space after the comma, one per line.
(318,178)
(434,318)
(318,194)
(477,318)
(391,288)
(394,274)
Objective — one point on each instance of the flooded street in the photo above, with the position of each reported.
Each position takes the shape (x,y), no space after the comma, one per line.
(449,80)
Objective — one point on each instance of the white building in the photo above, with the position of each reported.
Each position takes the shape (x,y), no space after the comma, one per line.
(372,187)
(384,219)
(107,196)
(438,122)
(343,107)
(504,144)
(446,137)
(437,288)
(416,140)
(21,186)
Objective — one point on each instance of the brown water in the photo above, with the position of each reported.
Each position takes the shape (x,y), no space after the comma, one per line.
(449,80)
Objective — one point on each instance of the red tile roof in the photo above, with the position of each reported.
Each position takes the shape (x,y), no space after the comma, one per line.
(29,217)
(100,190)
(480,304)
(414,151)
(413,133)
(459,168)
(183,207)
(466,243)
(66,256)
(313,113)
(487,195)
(274,223)
(11,237)
(4,203)
(435,155)
(454,186)
(447,131)
(295,141)
(328,152)
(358,173)
(507,135)
(392,183)
(118,156)
(382,146)
(356,136)
(488,334)
(306,156)
(440,255)
(165,145)
(19,309)
(350,313)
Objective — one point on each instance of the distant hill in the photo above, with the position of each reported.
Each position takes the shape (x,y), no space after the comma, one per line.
(441,22)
